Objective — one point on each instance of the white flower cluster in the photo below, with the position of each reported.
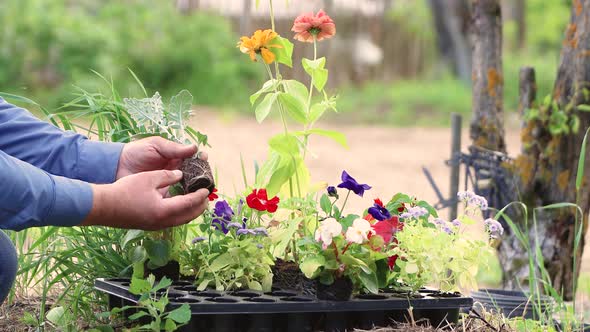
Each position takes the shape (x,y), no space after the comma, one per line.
(330,228)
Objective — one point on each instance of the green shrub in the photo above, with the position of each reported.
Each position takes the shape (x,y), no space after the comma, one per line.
(47,46)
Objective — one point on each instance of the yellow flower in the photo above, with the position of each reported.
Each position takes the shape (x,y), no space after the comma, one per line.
(259,43)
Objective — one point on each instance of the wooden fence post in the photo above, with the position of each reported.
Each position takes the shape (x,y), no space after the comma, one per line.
(455,163)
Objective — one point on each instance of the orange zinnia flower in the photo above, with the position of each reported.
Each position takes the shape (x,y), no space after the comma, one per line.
(259,43)
(309,25)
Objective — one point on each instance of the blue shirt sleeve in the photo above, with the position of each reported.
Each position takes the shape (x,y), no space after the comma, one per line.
(57,152)
(31,197)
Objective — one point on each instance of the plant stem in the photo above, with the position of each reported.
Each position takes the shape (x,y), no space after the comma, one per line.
(306,127)
(344,204)
(272,25)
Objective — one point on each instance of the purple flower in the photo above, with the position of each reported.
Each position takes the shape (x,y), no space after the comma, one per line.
(456,223)
(447,229)
(245,231)
(223,214)
(259,246)
(379,212)
(332,192)
(261,231)
(414,212)
(439,222)
(199,239)
(494,227)
(235,225)
(348,182)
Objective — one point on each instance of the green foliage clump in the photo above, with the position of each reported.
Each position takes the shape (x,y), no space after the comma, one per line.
(47,46)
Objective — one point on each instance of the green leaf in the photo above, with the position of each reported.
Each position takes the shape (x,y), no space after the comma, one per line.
(255,285)
(336,136)
(297,90)
(130,236)
(181,315)
(325,204)
(158,251)
(169,325)
(316,111)
(221,262)
(147,112)
(164,283)
(286,144)
(581,161)
(315,69)
(138,315)
(57,316)
(266,87)
(584,108)
(180,111)
(311,265)
(138,255)
(284,54)
(294,107)
(369,281)
(265,106)
(279,177)
(140,286)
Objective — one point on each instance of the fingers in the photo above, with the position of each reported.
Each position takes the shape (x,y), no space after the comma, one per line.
(162,179)
(172,150)
(184,208)
(202,155)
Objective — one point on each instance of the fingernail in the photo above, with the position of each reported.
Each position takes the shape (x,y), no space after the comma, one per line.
(177,173)
(199,154)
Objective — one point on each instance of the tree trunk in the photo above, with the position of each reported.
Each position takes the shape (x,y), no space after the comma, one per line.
(451,19)
(546,169)
(487,126)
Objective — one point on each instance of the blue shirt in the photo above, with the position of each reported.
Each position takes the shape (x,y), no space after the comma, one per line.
(45,172)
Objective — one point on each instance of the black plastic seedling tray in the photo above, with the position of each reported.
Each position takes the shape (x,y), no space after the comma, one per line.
(285,310)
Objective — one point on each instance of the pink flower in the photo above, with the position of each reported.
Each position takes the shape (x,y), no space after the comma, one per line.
(307,26)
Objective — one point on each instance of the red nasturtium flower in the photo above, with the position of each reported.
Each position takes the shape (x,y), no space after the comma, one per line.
(258,200)
(306,26)
(213,196)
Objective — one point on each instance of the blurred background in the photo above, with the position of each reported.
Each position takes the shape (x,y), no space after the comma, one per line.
(402,62)
(399,67)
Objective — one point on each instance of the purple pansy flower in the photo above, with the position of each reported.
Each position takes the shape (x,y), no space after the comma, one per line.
(379,212)
(332,192)
(223,214)
(348,182)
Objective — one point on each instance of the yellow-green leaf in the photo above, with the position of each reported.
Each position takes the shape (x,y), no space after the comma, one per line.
(265,106)
(294,107)
(284,54)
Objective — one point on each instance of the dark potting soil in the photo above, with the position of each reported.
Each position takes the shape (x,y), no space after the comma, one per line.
(196,174)
(287,310)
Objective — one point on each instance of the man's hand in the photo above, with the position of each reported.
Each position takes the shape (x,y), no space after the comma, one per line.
(153,153)
(136,202)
